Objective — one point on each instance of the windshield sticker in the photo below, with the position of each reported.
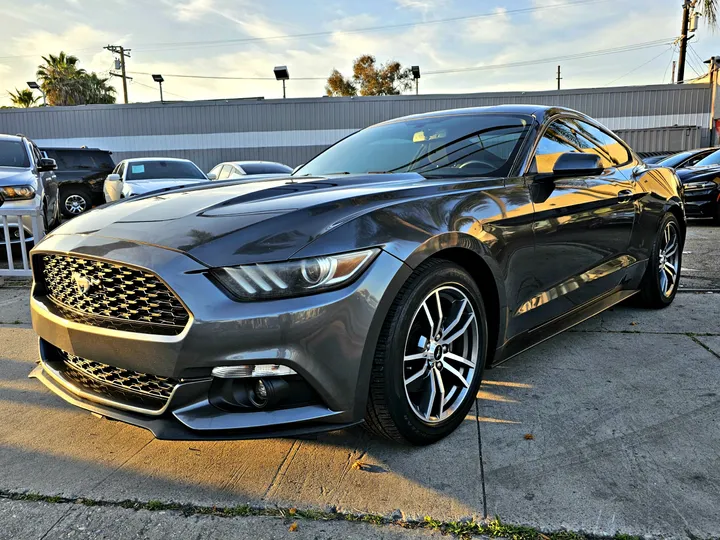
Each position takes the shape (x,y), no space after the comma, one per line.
(138,169)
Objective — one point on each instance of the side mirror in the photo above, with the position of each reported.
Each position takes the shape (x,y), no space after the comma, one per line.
(577,164)
(113,178)
(212,176)
(46,164)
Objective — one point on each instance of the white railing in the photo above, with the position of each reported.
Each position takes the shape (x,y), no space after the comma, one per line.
(15,241)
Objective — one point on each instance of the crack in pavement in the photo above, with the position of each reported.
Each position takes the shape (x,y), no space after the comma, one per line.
(482,465)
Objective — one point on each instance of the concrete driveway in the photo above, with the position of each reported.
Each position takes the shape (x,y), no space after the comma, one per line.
(610,428)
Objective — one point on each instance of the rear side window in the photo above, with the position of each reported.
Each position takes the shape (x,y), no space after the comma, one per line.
(266,168)
(81,160)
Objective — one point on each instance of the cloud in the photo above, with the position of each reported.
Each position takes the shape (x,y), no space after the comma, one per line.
(423,6)
(191,10)
(492,29)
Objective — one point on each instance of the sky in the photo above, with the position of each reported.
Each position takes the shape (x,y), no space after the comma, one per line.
(247,38)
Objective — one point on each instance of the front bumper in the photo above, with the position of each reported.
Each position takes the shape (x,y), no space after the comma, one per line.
(328,339)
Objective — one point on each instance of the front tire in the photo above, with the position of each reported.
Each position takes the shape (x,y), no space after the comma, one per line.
(430,355)
(662,277)
(74,200)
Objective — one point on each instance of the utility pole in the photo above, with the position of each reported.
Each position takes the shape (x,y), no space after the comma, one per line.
(123,52)
(687,4)
(558,77)
(672,77)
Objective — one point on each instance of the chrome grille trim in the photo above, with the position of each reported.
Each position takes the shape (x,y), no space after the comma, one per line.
(118,297)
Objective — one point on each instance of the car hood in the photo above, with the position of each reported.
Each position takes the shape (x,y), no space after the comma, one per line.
(12,176)
(140,187)
(249,222)
(695,174)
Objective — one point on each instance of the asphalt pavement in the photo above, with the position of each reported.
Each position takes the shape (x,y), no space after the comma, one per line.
(609,428)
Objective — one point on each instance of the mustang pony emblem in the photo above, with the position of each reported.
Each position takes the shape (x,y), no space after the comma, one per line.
(83,284)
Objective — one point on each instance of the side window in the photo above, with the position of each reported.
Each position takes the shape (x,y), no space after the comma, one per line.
(570,135)
(121,170)
(35,153)
(235,173)
(225,172)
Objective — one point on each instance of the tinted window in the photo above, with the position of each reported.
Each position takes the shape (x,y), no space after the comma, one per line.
(155,170)
(570,135)
(266,168)
(437,146)
(712,159)
(216,171)
(14,154)
(674,160)
(81,159)
(696,158)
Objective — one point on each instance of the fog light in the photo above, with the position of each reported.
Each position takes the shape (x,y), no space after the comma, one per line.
(259,394)
(260,370)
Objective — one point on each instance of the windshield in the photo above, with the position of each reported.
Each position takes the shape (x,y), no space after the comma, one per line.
(712,159)
(674,160)
(13,154)
(443,146)
(158,170)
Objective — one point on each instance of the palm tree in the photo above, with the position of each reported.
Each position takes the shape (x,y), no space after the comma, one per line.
(96,89)
(61,79)
(23,98)
(709,9)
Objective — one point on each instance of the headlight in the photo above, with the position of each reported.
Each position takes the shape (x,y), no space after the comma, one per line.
(699,185)
(18,193)
(293,278)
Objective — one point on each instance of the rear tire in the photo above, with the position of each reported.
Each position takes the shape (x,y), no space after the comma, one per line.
(416,365)
(74,200)
(658,287)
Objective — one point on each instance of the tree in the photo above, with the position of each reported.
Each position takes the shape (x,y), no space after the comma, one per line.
(23,98)
(64,83)
(709,9)
(370,79)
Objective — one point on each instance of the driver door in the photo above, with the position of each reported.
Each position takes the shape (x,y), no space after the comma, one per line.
(582,225)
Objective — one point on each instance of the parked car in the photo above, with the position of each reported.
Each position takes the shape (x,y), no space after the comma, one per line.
(230,170)
(701,184)
(651,160)
(376,283)
(27,182)
(80,175)
(137,176)
(686,159)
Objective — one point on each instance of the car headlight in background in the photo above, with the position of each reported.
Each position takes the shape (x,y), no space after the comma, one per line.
(293,278)
(17,193)
(693,186)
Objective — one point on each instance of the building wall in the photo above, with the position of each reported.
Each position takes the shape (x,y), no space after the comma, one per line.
(293,130)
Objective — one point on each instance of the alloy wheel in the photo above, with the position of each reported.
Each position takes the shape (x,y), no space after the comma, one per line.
(75,204)
(669,259)
(441,354)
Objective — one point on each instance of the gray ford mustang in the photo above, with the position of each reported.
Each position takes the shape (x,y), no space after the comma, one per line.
(374,284)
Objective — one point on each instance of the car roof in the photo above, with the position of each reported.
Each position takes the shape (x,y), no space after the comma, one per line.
(538,111)
(74,148)
(7,137)
(241,163)
(131,160)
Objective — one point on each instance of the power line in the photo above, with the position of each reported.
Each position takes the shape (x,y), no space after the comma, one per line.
(223,42)
(639,67)
(153,88)
(577,56)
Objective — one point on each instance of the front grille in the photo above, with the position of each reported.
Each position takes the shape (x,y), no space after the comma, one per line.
(109,295)
(103,378)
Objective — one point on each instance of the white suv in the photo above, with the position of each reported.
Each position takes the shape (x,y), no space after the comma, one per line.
(27,182)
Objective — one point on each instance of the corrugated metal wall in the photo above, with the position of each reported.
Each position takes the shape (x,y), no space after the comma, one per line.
(293,130)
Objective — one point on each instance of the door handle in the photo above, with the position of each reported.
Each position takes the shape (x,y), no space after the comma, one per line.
(625,195)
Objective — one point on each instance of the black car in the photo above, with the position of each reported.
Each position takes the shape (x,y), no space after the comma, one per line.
(701,184)
(375,283)
(687,158)
(80,175)
(652,160)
